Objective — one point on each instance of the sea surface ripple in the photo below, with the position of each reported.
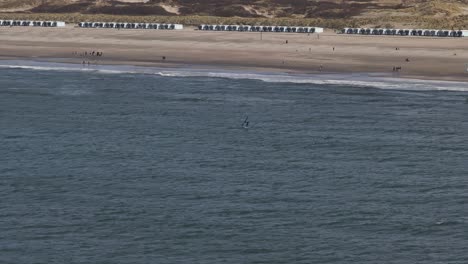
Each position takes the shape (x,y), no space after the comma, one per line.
(139,168)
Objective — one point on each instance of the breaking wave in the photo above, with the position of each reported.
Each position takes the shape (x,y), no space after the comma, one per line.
(342,79)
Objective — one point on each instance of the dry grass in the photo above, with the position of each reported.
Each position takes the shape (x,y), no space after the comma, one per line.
(413,21)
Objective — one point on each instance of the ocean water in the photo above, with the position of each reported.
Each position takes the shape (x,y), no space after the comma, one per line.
(120,165)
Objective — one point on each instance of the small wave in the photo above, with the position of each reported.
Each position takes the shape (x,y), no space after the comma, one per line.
(353,80)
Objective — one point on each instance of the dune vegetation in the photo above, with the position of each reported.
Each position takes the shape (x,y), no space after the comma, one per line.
(332,14)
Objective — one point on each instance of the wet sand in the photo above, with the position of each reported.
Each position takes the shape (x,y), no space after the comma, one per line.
(429,58)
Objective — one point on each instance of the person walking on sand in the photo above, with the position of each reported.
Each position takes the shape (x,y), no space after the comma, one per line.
(333,48)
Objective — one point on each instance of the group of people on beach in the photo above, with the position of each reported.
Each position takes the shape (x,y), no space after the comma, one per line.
(87,55)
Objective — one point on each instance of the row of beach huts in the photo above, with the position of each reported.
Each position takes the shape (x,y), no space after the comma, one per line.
(406,32)
(28,23)
(244,28)
(247,28)
(122,25)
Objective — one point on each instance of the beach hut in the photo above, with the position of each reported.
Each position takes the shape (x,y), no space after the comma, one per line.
(443,33)
(318,29)
(403,32)
(462,33)
(231,28)
(244,28)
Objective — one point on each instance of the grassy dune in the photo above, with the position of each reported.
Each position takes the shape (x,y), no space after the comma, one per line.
(384,21)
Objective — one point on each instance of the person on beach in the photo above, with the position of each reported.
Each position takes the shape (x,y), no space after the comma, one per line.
(286,41)
(333,48)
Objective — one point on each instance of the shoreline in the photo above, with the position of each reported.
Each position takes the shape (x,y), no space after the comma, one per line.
(360,80)
(443,60)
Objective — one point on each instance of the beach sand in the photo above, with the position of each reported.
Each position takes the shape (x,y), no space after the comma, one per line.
(429,58)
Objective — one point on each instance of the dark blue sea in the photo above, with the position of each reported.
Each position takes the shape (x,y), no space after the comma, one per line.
(146,166)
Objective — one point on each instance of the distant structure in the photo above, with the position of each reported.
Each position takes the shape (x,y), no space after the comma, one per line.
(125,25)
(28,23)
(247,28)
(406,32)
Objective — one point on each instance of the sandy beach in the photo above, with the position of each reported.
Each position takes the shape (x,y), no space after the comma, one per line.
(429,58)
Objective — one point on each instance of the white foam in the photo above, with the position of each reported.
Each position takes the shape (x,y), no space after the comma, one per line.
(354,80)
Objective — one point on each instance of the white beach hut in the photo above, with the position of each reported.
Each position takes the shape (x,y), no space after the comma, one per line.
(462,33)
(318,29)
